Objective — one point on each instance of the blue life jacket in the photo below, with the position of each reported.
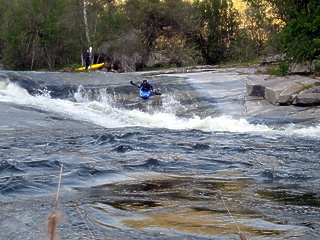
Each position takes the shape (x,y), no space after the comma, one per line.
(146,87)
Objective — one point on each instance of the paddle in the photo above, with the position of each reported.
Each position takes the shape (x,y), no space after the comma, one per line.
(91,59)
(137,85)
(134,84)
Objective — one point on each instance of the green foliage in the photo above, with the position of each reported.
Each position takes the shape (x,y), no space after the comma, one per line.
(139,30)
(38,33)
(300,38)
(140,33)
(280,70)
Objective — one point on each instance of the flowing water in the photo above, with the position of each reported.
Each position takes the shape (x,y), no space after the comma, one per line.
(201,161)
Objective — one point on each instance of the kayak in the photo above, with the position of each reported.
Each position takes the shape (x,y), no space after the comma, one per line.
(145,94)
(93,66)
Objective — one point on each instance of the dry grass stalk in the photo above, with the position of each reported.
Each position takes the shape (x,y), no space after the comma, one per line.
(52,224)
(85,223)
(241,234)
(54,215)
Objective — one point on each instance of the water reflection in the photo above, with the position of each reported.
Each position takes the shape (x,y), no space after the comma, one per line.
(185,206)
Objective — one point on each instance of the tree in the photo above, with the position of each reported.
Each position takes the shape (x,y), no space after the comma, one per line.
(218,26)
(38,33)
(300,36)
(259,24)
(3,7)
(137,30)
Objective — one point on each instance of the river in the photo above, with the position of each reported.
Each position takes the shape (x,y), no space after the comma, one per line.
(201,161)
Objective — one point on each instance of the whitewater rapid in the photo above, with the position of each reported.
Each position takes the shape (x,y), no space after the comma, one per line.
(106,113)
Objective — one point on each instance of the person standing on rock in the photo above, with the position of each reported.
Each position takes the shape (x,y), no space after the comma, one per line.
(87,58)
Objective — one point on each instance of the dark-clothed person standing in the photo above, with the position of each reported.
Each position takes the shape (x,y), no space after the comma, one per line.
(87,58)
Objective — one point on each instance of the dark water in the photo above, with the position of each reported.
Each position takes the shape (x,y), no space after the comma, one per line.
(201,161)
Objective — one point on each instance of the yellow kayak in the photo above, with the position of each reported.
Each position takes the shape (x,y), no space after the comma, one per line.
(93,66)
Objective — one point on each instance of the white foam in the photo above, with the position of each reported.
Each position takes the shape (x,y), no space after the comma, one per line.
(106,115)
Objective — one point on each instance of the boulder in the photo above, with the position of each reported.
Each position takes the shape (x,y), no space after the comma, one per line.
(287,95)
(255,89)
(315,89)
(272,58)
(304,67)
(272,93)
(307,99)
(287,91)
(275,91)
(282,93)
(300,68)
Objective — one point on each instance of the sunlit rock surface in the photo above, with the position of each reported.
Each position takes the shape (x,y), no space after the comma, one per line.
(286,90)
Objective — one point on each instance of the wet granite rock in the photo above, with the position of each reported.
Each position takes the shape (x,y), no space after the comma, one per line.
(287,91)
(307,99)
(304,67)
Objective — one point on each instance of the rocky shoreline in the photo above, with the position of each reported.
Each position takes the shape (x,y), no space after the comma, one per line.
(292,90)
(296,90)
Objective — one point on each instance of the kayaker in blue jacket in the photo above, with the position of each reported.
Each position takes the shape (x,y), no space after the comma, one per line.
(87,58)
(145,86)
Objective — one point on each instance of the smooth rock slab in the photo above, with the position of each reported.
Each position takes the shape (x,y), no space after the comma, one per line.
(285,91)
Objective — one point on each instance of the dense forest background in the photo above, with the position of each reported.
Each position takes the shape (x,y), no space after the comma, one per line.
(137,34)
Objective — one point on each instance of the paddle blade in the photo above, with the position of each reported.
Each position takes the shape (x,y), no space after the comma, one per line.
(134,84)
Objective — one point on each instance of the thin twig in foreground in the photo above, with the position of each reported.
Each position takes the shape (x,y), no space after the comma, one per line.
(241,234)
(54,216)
(85,222)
